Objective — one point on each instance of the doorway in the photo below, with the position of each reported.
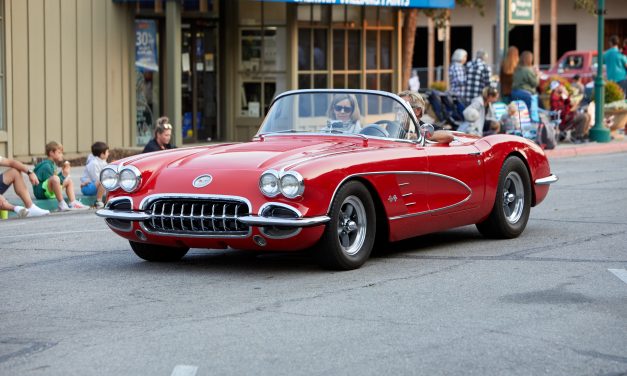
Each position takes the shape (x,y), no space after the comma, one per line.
(200,81)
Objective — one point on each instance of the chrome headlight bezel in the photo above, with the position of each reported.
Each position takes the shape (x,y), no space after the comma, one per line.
(134,177)
(273,176)
(109,177)
(292,184)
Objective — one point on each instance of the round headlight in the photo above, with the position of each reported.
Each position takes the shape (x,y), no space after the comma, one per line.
(129,178)
(109,178)
(292,184)
(269,183)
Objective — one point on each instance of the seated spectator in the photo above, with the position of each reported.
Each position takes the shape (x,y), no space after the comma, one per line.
(51,184)
(13,176)
(486,122)
(571,119)
(525,80)
(90,181)
(510,121)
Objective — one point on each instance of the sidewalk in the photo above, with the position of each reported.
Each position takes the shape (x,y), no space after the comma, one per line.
(563,150)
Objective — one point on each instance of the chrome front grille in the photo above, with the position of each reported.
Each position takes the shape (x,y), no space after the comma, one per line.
(198,216)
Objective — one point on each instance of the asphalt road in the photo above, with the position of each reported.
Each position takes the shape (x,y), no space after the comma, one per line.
(77,301)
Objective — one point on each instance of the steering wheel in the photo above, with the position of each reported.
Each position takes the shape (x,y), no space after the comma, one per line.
(374,130)
(392,127)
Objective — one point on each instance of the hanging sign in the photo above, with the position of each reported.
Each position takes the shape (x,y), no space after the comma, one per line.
(146,58)
(521,12)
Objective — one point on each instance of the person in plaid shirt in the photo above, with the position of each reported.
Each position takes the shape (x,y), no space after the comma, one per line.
(457,73)
(477,76)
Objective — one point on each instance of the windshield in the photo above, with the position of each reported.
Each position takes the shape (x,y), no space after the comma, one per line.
(368,113)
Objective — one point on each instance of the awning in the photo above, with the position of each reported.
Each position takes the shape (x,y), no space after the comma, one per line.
(379,3)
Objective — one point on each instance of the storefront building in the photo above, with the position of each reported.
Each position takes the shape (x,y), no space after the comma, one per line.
(80,71)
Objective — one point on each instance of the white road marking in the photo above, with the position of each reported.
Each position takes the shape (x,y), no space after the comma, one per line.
(183,370)
(620,273)
(38,234)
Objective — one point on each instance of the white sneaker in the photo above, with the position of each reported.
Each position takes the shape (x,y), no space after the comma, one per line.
(77,205)
(63,206)
(36,211)
(99,204)
(21,211)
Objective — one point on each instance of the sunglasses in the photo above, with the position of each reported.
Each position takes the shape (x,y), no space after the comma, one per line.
(347,109)
(167,126)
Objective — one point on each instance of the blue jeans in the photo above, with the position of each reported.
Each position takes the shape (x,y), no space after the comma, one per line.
(523,95)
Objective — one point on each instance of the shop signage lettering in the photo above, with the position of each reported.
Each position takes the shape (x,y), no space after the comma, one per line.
(381,3)
(521,12)
(146,45)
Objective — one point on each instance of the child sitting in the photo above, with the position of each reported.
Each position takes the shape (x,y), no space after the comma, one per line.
(51,183)
(90,181)
(511,120)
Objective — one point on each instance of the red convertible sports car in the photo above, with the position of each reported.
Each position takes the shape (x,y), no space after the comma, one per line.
(335,171)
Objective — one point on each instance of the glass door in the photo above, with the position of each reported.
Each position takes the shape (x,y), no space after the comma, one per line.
(200,84)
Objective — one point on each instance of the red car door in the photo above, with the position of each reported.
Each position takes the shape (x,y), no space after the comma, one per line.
(456,184)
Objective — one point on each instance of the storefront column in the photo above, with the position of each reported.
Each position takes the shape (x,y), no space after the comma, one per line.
(172,96)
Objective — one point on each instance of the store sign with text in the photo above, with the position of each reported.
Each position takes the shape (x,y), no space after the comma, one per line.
(380,3)
(146,57)
(521,12)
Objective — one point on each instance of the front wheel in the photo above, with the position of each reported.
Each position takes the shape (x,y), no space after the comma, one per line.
(512,205)
(158,253)
(349,236)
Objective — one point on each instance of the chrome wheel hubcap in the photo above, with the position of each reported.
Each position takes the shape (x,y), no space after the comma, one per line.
(513,197)
(352,225)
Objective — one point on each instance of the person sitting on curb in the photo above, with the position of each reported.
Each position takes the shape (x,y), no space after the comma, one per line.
(14,176)
(90,181)
(51,183)
(571,118)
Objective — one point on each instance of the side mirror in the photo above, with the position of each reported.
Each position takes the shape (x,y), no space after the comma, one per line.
(427,130)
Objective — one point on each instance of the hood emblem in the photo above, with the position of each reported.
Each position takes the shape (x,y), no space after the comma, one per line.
(202,181)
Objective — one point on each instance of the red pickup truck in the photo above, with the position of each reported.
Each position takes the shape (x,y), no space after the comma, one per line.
(583,63)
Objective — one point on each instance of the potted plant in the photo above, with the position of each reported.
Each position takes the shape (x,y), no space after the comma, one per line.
(615,105)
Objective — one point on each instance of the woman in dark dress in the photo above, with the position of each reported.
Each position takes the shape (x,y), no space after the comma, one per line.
(163,134)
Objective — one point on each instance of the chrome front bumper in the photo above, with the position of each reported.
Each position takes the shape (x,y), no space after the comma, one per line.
(250,220)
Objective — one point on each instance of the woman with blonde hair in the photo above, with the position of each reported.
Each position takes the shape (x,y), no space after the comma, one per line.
(344,108)
(163,134)
(507,70)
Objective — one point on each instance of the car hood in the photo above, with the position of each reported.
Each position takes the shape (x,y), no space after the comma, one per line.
(276,152)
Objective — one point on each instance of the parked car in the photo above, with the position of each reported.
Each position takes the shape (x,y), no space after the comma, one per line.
(315,178)
(583,63)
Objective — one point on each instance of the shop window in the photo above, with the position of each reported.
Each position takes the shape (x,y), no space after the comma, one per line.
(262,58)
(336,48)
(148,78)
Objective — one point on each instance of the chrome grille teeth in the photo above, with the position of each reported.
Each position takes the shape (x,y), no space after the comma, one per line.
(194,216)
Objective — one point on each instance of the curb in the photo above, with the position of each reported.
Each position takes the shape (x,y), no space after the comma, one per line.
(587,149)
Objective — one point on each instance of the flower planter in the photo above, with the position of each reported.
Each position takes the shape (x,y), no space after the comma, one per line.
(620,122)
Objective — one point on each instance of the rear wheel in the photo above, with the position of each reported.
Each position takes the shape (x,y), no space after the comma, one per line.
(512,205)
(158,253)
(349,236)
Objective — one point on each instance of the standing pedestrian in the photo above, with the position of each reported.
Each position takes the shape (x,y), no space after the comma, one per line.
(507,70)
(616,63)
(457,72)
(477,76)
(163,134)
